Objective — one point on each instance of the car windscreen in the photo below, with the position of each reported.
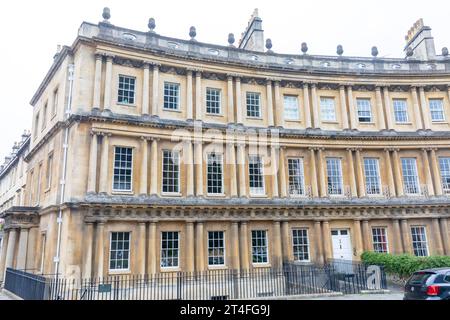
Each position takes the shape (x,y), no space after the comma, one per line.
(419,278)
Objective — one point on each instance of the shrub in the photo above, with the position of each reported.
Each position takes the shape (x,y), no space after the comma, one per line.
(403,266)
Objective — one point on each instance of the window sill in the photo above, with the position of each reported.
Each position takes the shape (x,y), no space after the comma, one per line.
(171,195)
(259,196)
(222,195)
(367,123)
(329,122)
(254,118)
(119,272)
(294,121)
(222,267)
(439,122)
(120,192)
(122,104)
(214,115)
(404,123)
(169,269)
(261,265)
(171,110)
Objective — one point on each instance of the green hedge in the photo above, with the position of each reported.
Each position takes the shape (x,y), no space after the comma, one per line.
(404,265)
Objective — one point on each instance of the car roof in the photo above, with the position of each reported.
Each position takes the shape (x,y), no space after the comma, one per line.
(436,270)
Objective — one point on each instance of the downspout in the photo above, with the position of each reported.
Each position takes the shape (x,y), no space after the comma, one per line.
(59,220)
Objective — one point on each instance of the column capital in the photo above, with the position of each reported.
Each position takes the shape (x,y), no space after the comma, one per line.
(99,56)
(153,139)
(94,133)
(109,56)
(146,64)
(105,134)
(197,142)
(145,138)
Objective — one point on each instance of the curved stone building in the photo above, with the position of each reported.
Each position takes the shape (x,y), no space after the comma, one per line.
(152,154)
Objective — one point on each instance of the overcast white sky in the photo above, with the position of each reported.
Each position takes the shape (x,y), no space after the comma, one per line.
(31,30)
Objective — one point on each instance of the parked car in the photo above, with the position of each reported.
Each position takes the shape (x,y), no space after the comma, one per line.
(432,284)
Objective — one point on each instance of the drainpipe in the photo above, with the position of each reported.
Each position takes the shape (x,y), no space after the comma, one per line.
(64,169)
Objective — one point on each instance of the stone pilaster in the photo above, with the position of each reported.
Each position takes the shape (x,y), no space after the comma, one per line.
(313,178)
(427,171)
(144,166)
(352,173)
(230,99)
(315,106)
(344,111)
(10,250)
(270,118)
(406,236)
(380,111)
(239,109)
(360,174)
(277,247)
(388,109)
(92,179)
(358,239)
(97,81)
(417,112)
(100,248)
(190,255)
(152,250)
(146,90)
(275,168)
(390,173)
(198,96)
(326,236)
(235,246)
(21,259)
(87,252)
(108,83)
(3,254)
(242,171)
(367,237)
(351,108)
(155,90)
(283,175)
(425,109)
(199,247)
(189,161)
(445,235)
(104,164)
(398,174)
(398,244)
(323,175)
(199,168)
(318,242)
(436,173)
(243,245)
(140,254)
(189,92)
(278,105)
(154,168)
(437,239)
(285,240)
(307,106)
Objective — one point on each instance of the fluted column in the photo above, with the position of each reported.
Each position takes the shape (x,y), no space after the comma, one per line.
(358,239)
(189,91)
(231,160)
(278,105)
(144,166)
(89,242)
(352,173)
(146,90)
(200,249)
(344,112)
(398,174)
(155,90)
(108,83)
(198,96)
(367,237)
(243,244)
(285,243)
(388,109)
(242,171)
(92,179)
(445,235)
(154,168)
(235,246)
(12,238)
(438,245)
(270,119)
(307,106)
(277,248)
(104,164)
(140,256)
(390,173)
(313,178)
(327,245)
(190,255)
(199,168)
(323,175)
(398,243)
(3,254)
(436,173)
(417,112)
(351,108)
(274,166)
(189,161)
(315,106)
(318,242)
(230,99)
(99,249)
(425,109)
(427,170)
(239,109)
(282,170)
(380,111)
(97,81)
(360,174)
(152,250)
(406,238)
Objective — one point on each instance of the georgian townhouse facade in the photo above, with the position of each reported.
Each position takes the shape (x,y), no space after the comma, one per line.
(152,154)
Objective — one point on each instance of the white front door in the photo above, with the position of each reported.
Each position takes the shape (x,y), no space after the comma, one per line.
(342,245)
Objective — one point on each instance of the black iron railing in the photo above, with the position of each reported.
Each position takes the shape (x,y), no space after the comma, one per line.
(26,285)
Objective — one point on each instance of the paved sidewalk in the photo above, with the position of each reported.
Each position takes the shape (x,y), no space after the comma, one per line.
(5,296)
(386,296)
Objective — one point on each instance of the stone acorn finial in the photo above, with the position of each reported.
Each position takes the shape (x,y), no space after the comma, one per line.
(192,33)
(340,50)
(409,52)
(445,52)
(304,47)
(231,39)
(151,24)
(269,45)
(374,52)
(106,14)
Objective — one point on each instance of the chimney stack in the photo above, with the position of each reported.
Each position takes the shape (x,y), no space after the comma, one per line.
(420,41)
(253,36)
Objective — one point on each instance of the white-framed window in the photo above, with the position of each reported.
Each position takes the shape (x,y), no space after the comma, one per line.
(48,175)
(444,164)
(171,96)
(253,105)
(437,110)
(123,169)
(410,178)
(213,101)
(419,241)
(327,109)
(170,249)
(364,110)
(380,240)
(259,247)
(119,251)
(372,174)
(126,90)
(401,111)
(55,101)
(300,245)
(171,172)
(296,177)
(291,108)
(256,175)
(216,248)
(215,173)
(334,176)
